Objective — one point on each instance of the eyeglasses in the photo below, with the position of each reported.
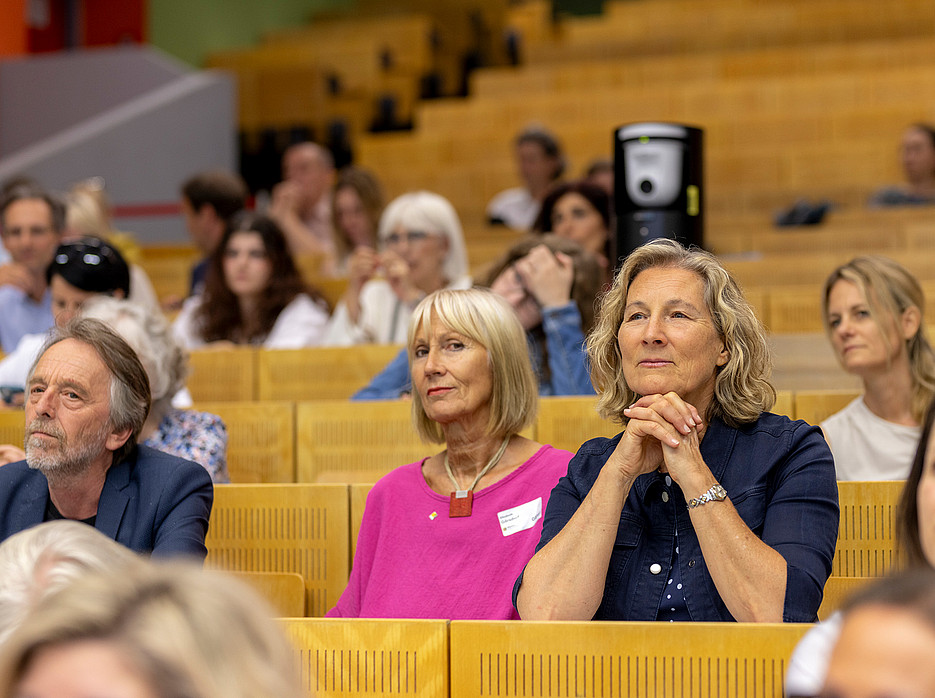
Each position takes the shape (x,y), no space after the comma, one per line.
(411,236)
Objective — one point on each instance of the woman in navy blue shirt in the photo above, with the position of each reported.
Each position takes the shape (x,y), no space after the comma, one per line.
(706,507)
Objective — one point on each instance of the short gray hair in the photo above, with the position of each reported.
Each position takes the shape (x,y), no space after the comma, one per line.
(432,213)
(43,559)
(130,396)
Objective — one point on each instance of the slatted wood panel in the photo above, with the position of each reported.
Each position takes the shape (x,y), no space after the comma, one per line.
(567,422)
(867,532)
(324,373)
(359,492)
(260,439)
(620,659)
(12,427)
(814,406)
(223,374)
(284,528)
(355,441)
(374,658)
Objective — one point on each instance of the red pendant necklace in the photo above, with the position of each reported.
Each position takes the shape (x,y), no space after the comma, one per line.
(462,501)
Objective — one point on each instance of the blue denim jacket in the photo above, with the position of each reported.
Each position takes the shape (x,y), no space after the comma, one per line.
(778,474)
(568,364)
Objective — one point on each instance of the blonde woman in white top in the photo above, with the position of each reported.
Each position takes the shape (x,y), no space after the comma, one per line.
(873,310)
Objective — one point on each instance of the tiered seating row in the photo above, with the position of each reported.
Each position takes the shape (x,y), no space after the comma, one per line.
(310,530)
(461,659)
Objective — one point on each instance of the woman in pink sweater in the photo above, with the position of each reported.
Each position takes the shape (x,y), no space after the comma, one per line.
(446,537)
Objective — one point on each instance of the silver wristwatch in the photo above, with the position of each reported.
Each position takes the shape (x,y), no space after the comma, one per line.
(715,494)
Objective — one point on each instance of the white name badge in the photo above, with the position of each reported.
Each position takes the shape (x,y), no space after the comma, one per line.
(520,518)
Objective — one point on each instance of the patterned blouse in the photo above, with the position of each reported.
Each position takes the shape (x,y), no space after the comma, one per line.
(195,436)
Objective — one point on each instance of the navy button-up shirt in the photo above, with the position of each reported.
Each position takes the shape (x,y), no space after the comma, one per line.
(779,475)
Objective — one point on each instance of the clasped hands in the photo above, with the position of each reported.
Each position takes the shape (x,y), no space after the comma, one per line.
(663,433)
(364,264)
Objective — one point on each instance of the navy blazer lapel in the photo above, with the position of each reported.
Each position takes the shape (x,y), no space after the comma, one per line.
(31,505)
(114,500)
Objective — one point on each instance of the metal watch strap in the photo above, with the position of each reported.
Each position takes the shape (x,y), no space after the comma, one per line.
(715,494)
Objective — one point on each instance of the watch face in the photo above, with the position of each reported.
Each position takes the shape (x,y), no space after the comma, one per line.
(718,492)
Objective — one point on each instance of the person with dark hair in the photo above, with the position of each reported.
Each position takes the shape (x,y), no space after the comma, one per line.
(254,294)
(79,271)
(31,226)
(579,211)
(600,172)
(301,203)
(706,507)
(541,163)
(887,640)
(88,398)
(917,157)
(874,313)
(915,533)
(356,206)
(209,200)
(551,284)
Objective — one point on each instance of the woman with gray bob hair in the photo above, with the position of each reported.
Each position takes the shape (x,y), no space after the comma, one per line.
(679,357)
(473,512)
(197,436)
(421,250)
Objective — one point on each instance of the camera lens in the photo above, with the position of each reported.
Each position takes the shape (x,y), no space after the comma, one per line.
(646,186)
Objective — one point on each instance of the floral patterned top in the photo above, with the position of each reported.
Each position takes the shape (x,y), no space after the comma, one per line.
(196,436)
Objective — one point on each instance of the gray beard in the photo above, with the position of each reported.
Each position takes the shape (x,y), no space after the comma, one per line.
(65,462)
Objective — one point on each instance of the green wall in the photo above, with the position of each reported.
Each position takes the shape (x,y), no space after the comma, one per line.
(191,29)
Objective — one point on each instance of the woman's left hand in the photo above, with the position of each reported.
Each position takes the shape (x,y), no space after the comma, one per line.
(548,277)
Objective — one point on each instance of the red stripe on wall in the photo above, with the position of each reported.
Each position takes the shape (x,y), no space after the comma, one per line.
(147,210)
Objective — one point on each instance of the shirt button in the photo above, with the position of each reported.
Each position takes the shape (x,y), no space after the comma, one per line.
(668,480)
(665,496)
(655,568)
(691,563)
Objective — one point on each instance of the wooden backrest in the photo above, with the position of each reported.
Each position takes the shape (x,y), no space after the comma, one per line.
(493,658)
(359,492)
(321,373)
(12,427)
(284,528)
(837,590)
(260,439)
(355,441)
(358,657)
(785,403)
(285,591)
(867,533)
(567,422)
(814,406)
(223,374)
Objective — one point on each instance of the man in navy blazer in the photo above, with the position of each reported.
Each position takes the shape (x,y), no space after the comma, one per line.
(87,398)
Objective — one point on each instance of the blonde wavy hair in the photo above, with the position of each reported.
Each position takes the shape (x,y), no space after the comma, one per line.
(741,391)
(890,290)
